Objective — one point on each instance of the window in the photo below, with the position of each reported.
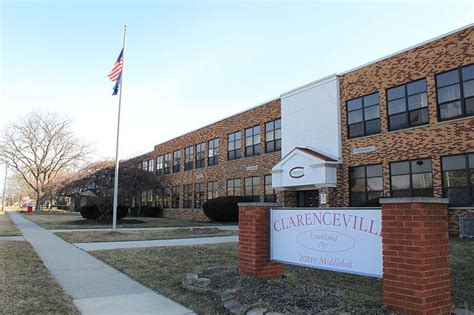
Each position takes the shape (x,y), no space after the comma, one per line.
(159,165)
(187,196)
(252,187)
(176,161)
(269,191)
(149,199)
(407,105)
(213,152)
(363,116)
(212,190)
(175,197)
(147,166)
(167,163)
(456,93)
(166,198)
(144,197)
(252,141)
(200,155)
(458,179)
(273,136)
(366,185)
(233,187)
(411,178)
(150,166)
(188,158)
(233,145)
(199,194)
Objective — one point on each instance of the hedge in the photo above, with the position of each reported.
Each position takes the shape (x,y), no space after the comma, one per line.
(224,209)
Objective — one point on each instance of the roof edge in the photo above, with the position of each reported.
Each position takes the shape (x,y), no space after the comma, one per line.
(465,27)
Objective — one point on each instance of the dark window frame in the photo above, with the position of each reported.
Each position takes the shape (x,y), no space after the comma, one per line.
(176,161)
(211,192)
(469,187)
(188,196)
(234,154)
(234,180)
(199,195)
(407,111)
(255,197)
(411,176)
(252,149)
(160,165)
(213,152)
(366,191)
(200,155)
(275,142)
(363,116)
(167,163)
(175,192)
(268,197)
(189,158)
(462,99)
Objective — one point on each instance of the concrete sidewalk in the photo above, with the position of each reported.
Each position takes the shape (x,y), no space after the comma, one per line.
(95,287)
(220,227)
(153,243)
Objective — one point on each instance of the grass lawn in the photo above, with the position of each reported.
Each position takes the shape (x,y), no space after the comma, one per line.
(109,236)
(72,221)
(26,286)
(462,273)
(7,227)
(162,268)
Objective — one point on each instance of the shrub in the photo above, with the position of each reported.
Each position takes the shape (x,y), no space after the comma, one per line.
(90,212)
(93,213)
(224,209)
(149,211)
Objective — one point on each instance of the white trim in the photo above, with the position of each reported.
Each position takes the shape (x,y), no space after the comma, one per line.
(410,48)
(309,85)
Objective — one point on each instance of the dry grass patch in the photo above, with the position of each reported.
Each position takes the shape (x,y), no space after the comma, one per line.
(7,227)
(73,221)
(161,269)
(26,286)
(462,273)
(109,236)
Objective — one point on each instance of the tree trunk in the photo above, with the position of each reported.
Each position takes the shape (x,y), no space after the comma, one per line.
(38,203)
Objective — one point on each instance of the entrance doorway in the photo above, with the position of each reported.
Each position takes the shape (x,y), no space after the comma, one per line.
(308,198)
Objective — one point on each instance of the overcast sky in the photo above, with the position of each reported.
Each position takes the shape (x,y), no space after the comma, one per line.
(189,63)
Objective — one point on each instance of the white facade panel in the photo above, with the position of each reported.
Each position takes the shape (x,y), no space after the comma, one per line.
(310,118)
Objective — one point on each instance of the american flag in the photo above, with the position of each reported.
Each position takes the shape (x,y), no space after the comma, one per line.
(115,75)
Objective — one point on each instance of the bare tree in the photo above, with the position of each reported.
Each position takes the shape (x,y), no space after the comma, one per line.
(96,181)
(39,147)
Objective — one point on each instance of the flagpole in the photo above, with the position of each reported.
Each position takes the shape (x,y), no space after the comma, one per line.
(114,222)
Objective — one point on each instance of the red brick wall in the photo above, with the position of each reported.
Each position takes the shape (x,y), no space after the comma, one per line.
(416,268)
(429,141)
(225,169)
(254,242)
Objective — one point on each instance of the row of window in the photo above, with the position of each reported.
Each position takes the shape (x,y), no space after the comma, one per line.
(195,156)
(407,104)
(415,179)
(195,195)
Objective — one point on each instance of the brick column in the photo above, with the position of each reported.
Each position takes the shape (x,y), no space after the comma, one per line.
(416,269)
(254,242)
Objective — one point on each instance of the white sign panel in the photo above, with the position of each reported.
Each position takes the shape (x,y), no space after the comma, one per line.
(345,240)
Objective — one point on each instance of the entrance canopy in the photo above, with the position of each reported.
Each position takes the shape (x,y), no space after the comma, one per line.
(304,168)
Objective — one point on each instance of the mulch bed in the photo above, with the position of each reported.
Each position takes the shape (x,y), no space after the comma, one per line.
(296,293)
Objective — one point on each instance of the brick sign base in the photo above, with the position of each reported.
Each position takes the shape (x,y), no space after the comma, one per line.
(416,269)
